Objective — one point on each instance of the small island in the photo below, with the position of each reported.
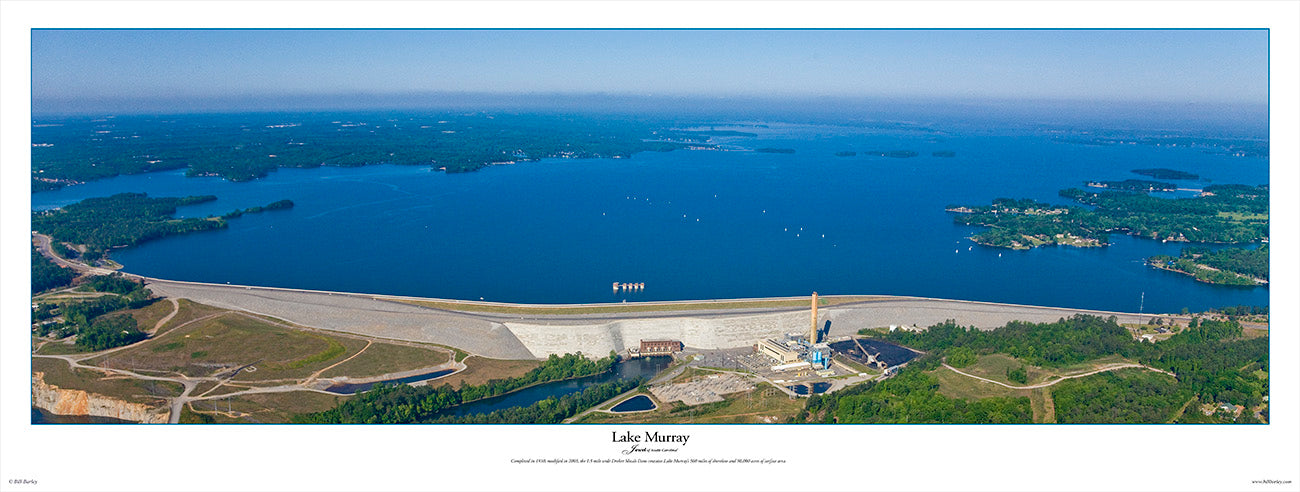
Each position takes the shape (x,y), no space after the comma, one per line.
(845,153)
(897,154)
(774,150)
(1133,185)
(1162,173)
(943,153)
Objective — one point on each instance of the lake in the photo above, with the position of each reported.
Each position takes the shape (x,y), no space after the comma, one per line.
(689,224)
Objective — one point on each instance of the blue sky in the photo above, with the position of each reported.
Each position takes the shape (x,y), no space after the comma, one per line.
(1178,66)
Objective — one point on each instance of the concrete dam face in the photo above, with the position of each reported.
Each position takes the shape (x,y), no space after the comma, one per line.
(598,339)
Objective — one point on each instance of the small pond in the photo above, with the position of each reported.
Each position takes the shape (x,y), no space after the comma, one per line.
(638,403)
(817,388)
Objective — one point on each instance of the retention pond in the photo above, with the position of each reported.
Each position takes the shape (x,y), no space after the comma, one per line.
(638,403)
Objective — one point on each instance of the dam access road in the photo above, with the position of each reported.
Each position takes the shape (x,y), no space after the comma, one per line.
(524,331)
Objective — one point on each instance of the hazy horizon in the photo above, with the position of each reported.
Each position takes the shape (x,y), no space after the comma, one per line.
(1241,119)
(1174,66)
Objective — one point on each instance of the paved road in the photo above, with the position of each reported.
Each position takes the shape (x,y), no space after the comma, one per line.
(43,245)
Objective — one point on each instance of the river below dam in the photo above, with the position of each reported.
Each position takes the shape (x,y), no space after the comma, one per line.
(644,367)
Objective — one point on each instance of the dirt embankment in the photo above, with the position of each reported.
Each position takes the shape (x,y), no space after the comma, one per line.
(77,402)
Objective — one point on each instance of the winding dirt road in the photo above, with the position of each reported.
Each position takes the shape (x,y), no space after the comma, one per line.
(1109,367)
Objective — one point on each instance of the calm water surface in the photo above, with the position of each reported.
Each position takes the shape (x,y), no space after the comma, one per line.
(638,403)
(351,388)
(645,367)
(40,416)
(689,224)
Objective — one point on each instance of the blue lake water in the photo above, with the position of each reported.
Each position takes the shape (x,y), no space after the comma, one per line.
(689,224)
(351,388)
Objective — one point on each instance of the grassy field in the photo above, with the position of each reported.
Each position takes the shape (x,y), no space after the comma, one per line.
(57,373)
(764,404)
(231,340)
(1040,400)
(480,370)
(187,312)
(1249,333)
(383,358)
(629,307)
(202,387)
(1240,217)
(995,366)
(150,315)
(955,385)
(56,348)
(267,408)
(58,297)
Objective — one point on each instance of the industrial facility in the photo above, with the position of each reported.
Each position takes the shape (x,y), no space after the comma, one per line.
(795,351)
(651,348)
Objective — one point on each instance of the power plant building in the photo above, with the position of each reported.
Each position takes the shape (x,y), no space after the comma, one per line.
(795,349)
(782,352)
(660,347)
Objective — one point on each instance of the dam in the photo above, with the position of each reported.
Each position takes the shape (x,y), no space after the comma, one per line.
(521,331)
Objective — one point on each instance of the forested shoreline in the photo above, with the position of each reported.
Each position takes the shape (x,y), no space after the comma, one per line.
(244,147)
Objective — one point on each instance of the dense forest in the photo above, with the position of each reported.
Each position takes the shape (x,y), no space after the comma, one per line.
(911,397)
(1061,343)
(1133,185)
(1222,214)
(109,331)
(125,219)
(408,404)
(128,219)
(242,147)
(47,275)
(1210,358)
(90,318)
(1227,266)
(1120,397)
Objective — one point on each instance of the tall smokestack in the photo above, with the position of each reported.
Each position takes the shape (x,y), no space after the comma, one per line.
(812,333)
